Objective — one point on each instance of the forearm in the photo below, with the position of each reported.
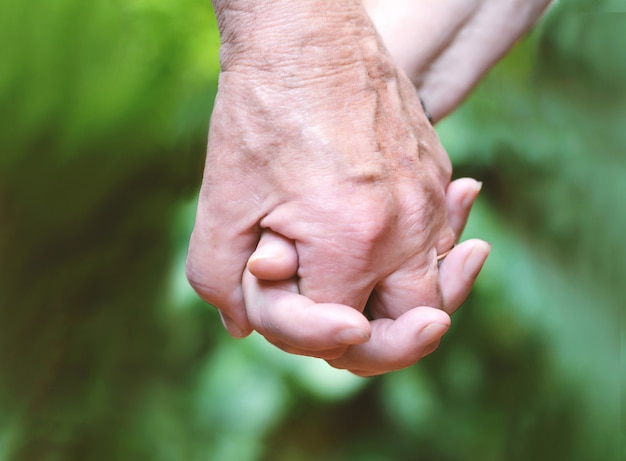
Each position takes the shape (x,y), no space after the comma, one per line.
(406,25)
(446,46)
(320,36)
(320,59)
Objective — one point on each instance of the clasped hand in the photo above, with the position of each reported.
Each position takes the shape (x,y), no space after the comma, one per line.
(325,201)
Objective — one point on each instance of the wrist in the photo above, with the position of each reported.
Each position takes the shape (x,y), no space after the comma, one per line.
(297,38)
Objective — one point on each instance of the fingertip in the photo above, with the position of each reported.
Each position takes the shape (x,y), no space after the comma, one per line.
(458,271)
(433,332)
(352,327)
(275,258)
(464,190)
(396,344)
(476,258)
(351,336)
(233,328)
(460,197)
(270,268)
(472,190)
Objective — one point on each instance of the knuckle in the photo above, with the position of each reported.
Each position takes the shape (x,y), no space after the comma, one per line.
(370,222)
(195,277)
(208,286)
(332,354)
(440,159)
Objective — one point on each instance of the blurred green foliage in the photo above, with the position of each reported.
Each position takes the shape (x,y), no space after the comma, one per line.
(107,354)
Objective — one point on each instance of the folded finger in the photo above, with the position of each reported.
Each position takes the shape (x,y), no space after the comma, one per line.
(416,282)
(275,257)
(460,197)
(458,272)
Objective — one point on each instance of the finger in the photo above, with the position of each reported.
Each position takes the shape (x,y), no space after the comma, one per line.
(460,197)
(409,286)
(216,259)
(415,283)
(334,254)
(278,312)
(458,272)
(396,344)
(275,257)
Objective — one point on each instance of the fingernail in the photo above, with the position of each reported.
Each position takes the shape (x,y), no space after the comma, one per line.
(469,199)
(432,332)
(352,336)
(230,325)
(475,260)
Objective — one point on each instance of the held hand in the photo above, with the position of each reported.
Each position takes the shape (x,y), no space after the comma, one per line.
(328,147)
(297,325)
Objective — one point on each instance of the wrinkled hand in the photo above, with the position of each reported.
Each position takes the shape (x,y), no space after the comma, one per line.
(330,149)
(297,325)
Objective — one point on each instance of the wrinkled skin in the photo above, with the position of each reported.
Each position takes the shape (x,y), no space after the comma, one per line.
(325,153)
(343,162)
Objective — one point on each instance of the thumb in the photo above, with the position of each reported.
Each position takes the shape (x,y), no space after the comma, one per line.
(275,258)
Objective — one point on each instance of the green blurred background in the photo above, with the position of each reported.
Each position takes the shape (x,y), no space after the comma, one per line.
(107,354)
